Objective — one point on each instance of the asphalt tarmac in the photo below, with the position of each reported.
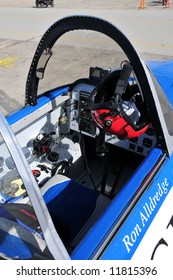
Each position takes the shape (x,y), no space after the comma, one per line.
(22,25)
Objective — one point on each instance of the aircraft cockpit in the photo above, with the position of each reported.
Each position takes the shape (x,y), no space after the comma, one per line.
(95,129)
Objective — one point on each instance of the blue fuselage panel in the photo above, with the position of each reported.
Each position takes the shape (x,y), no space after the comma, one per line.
(130,235)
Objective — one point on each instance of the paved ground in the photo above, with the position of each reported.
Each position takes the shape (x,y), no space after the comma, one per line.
(128,4)
(12,80)
(85,4)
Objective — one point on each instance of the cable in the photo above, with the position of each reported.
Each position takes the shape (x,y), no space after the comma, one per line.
(86,161)
(62,168)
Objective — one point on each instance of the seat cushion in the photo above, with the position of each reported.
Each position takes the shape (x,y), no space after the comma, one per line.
(71,206)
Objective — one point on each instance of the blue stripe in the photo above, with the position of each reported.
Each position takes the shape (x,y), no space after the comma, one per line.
(55,190)
(4,198)
(15,117)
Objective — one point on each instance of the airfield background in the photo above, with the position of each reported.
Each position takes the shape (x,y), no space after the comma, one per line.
(22,24)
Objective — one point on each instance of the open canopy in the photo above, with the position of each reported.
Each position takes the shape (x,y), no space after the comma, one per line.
(73,44)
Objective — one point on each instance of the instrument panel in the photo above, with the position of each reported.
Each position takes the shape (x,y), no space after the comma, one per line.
(81,121)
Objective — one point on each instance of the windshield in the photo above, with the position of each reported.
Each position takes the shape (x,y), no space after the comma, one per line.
(72,56)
